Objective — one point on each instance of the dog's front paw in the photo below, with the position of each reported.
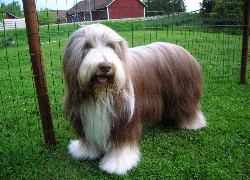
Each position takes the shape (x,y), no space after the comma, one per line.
(120,160)
(81,150)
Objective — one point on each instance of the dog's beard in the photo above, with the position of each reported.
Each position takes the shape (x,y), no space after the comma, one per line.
(102,87)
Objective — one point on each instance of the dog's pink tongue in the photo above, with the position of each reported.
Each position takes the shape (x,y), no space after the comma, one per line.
(102,79)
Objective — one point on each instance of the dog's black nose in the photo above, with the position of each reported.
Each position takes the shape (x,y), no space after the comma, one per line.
(105,67)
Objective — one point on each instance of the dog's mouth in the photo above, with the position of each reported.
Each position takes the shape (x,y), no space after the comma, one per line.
(102,79)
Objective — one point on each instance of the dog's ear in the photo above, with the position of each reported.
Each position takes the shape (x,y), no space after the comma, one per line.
(123,44)
(70,64)
(122,50)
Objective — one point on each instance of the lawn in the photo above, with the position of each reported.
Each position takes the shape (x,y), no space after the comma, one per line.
(219,151)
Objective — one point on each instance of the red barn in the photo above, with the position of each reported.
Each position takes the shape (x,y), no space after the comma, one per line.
(88,10)
(9,16)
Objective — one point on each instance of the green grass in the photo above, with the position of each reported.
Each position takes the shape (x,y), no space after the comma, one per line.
(219,151)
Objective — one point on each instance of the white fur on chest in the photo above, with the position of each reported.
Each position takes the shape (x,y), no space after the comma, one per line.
(96,122)
(98,116)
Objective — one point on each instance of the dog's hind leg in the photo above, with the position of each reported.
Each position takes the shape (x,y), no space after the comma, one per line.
(196,121)
(81,150)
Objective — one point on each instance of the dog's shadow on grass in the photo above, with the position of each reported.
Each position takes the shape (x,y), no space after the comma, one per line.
(85,167)
(160,127)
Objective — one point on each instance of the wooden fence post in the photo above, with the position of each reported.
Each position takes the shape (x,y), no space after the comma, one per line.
(246,29)
(29,7)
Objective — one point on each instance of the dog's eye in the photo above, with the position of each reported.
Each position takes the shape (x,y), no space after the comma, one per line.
(87,46)
(110,46)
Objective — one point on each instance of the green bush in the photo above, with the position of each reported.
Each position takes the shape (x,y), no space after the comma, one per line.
(46,17)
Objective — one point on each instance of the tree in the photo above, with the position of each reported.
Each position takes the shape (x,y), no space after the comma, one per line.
(232,9)
(162,7)
(45,16)
(229,10)
(178,6)
(206,6)
(223,15)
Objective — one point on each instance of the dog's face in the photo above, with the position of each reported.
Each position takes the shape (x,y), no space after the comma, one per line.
(94,59)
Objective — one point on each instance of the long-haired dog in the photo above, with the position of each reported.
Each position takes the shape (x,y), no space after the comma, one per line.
(111,89)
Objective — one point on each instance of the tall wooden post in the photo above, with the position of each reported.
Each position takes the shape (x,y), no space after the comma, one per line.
(246,29)
(29,7)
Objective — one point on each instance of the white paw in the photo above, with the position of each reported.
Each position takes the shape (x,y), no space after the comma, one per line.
(80,150)
(120,160)
(198,122)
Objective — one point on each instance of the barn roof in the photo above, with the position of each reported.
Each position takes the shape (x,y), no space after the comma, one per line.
(11,15)
(98,4)
(59,13)
(94,4)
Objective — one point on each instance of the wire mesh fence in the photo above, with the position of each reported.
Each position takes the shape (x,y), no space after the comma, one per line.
(215,40)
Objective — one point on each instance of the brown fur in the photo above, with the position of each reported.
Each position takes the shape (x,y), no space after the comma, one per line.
(166,80)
